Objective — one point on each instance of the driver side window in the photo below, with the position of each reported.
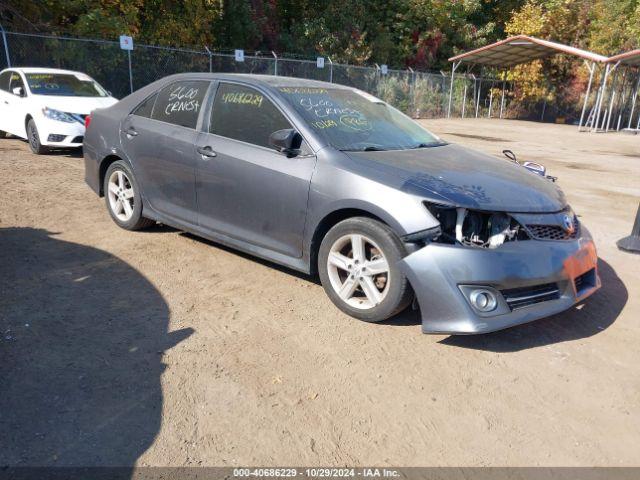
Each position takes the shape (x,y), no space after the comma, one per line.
(16,82)
(243,113)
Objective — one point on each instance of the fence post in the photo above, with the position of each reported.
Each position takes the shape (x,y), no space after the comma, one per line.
(330,70)
(6,45)
(412,92)
(210,58)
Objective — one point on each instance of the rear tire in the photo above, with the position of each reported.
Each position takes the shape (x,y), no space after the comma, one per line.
(358,267)
(34,139)
(122,197)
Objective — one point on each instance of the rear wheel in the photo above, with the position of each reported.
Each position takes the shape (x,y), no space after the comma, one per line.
(357,264)
(34,138)
(123,198)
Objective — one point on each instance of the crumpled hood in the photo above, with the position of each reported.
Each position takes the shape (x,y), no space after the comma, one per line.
(79,105)
(457,175)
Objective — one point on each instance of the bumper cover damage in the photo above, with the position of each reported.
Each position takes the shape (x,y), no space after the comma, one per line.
(437,272)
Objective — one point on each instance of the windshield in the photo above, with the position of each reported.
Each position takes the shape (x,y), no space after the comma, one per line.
(64,85)
(352,120)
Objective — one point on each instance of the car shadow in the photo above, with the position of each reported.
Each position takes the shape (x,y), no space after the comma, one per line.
(82,338)
(586,319)
(69,152)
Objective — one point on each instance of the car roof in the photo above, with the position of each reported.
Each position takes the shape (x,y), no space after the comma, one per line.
(43,70)
(267,80)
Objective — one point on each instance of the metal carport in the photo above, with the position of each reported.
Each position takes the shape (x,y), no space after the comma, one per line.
(522,49)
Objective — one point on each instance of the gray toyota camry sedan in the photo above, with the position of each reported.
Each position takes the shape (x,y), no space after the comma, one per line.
(329,180)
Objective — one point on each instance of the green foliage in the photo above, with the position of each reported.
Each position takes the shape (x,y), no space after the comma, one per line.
(400,33)
(421,34)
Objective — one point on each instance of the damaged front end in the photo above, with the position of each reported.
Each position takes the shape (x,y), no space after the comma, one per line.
(483,271)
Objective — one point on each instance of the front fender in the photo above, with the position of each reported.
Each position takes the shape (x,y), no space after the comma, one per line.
(334,189)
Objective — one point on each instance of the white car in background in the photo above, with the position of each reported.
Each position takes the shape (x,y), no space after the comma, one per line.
(47,106)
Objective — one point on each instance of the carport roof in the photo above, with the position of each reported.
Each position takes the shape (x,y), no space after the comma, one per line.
(521,49)
(631,58)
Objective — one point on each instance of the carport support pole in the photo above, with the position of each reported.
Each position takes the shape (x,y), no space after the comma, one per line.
(464,98)
(454,65)
(130,72)
(612,97)
(633,101)
(6,45)
(490,100)
(502,99)
(478,99)
(591,68)
(603,90)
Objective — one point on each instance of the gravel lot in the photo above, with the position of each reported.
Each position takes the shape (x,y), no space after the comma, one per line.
(157,348)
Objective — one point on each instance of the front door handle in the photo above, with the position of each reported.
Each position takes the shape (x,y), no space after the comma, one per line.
(131,132)
(206,152)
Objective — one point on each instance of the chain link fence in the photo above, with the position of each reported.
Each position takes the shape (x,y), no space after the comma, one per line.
(419,94)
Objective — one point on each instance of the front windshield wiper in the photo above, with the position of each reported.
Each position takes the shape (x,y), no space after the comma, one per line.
(427,145)
(365,149)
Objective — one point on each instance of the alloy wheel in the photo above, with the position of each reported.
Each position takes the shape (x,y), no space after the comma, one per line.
(120,195)
(358,271)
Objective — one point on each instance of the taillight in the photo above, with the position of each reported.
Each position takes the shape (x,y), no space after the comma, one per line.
(87,121)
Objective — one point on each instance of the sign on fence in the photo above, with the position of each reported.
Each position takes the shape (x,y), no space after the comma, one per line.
(320,62)
(383,69)
(126,43)
(239,55)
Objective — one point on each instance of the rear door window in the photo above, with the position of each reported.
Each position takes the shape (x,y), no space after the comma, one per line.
(244,114)
(146,107)
(180,103)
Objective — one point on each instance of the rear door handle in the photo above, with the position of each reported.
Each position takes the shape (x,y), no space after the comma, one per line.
(132,132)
(206,152)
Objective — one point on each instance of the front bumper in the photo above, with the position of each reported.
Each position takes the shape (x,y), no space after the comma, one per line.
(60,134)
(436,271)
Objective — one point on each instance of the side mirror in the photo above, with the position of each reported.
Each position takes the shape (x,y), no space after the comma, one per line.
(19,91)
(286,141)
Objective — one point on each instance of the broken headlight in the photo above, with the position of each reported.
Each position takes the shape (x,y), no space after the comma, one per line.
(475,228)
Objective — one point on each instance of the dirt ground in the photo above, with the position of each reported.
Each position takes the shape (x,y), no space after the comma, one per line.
(157,348)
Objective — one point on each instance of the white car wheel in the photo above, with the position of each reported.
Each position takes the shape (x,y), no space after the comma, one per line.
(121,197)
(358,267)
(358,271)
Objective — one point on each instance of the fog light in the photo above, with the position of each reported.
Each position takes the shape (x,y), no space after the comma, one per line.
(483,300)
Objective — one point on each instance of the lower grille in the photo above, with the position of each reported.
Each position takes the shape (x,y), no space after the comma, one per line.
(525,296)
(585,281)
(56,138)
(553,232)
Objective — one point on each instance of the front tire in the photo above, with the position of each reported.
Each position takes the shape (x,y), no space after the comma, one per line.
(123,198)
(358,267)
(34,138)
